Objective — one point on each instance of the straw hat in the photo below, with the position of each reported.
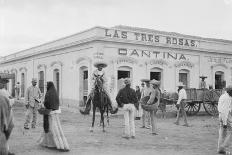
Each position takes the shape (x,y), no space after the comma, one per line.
(155,82)
(102,64)
(127,81)
(203,77)
(180,84)
(145,80)
(34,80)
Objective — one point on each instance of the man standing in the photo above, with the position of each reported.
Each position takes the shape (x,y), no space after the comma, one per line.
(152,104)
(139,111)
(17,90)
(225,120)
(32,98)
(146,93)
(126,98)
(202,83)
(182,96)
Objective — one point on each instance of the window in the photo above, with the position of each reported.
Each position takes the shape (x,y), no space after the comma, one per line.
(22,84)
(41,81)
(57,80)
(184,77)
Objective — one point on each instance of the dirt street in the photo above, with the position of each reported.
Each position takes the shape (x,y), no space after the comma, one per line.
(199,139)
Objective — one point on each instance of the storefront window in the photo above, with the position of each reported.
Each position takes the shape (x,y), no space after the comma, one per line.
(41,81)
(22,84)
(57,80)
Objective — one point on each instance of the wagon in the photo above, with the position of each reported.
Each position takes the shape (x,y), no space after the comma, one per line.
(195,98)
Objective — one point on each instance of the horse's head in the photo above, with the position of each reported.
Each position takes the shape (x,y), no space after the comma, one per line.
(98,83)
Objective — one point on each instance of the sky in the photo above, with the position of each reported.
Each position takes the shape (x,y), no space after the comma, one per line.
(28,23)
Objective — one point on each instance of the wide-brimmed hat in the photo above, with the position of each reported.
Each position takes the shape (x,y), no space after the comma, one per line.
(33,80)
(145,80)
(127,81)
(180,84)
(155,82)
(203,77)
(229,88)
(102,64)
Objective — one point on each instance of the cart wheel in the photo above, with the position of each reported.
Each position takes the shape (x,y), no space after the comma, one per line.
(210,102)
(192,108)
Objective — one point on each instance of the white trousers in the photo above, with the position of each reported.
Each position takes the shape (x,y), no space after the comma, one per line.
(224,134)
(129,110)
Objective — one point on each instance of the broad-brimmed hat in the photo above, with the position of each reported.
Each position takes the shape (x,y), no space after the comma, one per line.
(180,84)
(102,64)
(203,77)
(155,82)
(145,80)
(229,88)
(127,81)
(33,80)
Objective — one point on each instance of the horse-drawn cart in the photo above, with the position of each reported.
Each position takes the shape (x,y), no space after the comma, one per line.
(195,98)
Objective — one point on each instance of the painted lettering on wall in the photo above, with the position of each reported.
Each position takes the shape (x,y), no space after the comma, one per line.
(152,38)
(151,54)
(219,60)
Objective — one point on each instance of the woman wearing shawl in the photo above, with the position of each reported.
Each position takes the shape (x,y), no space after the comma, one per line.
(53,136)
(6,124)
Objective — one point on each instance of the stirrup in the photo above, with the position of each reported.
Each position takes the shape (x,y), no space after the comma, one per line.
(85,112)
(113,111)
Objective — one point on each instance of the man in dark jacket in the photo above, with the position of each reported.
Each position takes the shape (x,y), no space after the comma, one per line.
(128,101)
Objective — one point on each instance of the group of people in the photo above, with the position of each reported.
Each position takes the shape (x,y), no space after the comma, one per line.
(52,136)
(140,102)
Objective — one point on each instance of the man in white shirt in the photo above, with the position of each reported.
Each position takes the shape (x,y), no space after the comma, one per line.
(225,120)
(182,96)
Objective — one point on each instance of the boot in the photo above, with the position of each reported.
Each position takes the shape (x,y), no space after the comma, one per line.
(87,107)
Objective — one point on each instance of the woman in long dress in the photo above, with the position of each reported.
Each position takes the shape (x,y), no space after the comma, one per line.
(53,136)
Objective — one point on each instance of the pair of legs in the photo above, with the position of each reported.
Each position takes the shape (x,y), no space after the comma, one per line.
(88,104)
(181,110)
(224,135)
(31,112)
(129,110)
(146,118)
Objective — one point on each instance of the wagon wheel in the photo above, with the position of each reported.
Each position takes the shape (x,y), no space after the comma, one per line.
(192,108)
(210,102)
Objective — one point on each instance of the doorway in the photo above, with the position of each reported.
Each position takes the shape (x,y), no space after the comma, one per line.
(219,80)
(123,72)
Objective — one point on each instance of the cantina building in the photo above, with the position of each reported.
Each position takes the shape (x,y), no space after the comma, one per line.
(129,52)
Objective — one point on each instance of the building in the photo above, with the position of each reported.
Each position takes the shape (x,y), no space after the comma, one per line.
(130,52)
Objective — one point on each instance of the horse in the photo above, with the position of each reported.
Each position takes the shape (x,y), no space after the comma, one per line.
(101,101)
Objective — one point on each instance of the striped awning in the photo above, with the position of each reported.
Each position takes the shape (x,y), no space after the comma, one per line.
(6,76)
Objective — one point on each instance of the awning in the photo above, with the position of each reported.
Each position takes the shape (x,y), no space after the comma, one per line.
(6,76)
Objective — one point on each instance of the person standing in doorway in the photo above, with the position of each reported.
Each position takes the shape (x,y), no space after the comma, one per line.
(32,98)
(225,120)
(145,94)
(127,99)
(182,96)
(17,90)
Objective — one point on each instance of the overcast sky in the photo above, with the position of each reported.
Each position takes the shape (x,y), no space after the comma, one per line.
(28,23)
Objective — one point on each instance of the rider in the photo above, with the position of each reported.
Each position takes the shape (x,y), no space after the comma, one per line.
(99,72)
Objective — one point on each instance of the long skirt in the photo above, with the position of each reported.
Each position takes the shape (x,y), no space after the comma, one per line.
(55,137)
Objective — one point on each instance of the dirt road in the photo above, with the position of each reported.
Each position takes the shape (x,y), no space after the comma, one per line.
(199,139)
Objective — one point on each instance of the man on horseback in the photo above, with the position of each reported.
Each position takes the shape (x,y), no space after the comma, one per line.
(99,73)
